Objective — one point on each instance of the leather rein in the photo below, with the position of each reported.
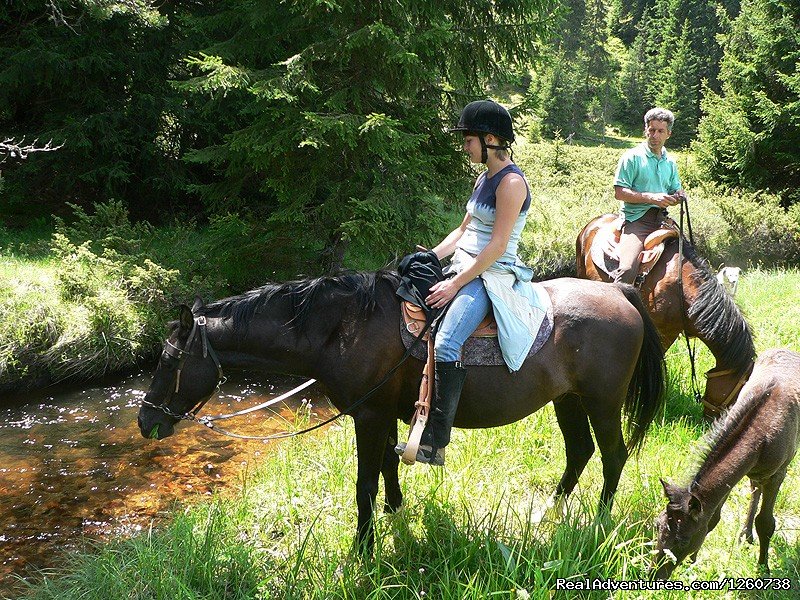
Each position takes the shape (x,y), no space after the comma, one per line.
(684,309)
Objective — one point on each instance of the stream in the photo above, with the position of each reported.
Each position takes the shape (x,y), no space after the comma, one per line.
(73,465)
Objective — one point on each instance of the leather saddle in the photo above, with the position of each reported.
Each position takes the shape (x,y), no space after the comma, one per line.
(604,247)
(414,319)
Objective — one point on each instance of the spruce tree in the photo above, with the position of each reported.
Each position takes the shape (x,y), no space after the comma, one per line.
(336,114)
(750,133)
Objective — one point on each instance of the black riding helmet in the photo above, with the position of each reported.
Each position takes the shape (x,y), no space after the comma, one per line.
(486,116)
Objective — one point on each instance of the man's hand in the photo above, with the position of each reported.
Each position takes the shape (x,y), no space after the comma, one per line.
(662,200)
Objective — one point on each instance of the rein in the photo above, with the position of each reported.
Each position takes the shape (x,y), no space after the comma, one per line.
(209,421)
(691,350)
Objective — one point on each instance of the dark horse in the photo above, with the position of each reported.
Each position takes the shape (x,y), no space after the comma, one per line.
(696,304)
(603,356)
(757,439)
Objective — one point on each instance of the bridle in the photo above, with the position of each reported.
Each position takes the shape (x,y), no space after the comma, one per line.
(179,355)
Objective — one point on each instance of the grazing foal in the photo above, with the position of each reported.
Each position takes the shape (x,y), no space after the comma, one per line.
(758,438)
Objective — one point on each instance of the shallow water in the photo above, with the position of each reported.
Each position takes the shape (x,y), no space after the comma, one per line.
(73,465)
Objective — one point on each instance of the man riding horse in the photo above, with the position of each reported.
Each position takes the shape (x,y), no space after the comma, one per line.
(680,291)
(646,182)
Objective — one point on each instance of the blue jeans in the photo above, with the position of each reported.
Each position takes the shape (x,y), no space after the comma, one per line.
(465,313)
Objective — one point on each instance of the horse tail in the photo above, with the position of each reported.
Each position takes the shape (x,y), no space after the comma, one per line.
(647,388)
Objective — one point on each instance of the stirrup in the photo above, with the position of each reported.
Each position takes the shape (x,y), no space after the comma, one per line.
(425,454)
(431,456)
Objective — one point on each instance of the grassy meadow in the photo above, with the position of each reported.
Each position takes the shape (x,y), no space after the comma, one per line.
(465,531)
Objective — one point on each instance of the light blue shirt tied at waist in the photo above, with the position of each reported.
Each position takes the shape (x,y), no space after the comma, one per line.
(518,306)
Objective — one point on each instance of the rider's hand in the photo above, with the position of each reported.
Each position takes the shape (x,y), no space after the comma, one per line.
(441,293)
(663,200)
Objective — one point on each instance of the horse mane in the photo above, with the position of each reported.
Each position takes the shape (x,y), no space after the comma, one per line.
(717,317)
(303,295)
(726,431)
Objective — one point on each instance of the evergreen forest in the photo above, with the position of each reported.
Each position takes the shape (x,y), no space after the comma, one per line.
(318,127)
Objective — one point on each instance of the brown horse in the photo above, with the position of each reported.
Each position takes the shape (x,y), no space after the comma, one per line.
(602,358)
(684,295)
(758,439)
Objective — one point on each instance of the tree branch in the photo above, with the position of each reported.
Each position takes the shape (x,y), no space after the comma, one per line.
(12,149)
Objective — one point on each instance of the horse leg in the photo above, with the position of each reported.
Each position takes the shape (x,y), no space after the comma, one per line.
(372,435)
(755,497)
(765,521)
(574,424)
(391,480)
(579,448)
(607,427)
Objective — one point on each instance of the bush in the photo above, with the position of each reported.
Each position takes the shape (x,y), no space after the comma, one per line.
(31,325)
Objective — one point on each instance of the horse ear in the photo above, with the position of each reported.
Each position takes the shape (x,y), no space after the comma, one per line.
(695,507)
(186,318)
(198,304)
(669,489)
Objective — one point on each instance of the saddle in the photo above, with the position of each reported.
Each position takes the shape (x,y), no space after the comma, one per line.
(604,248)
(414,319)
(482,348)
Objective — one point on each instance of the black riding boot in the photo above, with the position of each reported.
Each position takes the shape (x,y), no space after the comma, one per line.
(449,382)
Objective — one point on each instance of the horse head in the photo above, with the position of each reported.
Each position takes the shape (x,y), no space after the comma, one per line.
(187,375)
(681,528)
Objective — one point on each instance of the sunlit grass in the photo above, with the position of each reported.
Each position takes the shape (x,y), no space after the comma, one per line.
(465,531)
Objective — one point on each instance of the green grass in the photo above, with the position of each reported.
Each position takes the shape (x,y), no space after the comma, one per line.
(465,531)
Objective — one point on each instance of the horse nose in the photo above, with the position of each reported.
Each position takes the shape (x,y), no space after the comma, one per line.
(149,432)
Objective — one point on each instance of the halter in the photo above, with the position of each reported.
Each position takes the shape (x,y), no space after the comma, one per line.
(181,354)
(734,392)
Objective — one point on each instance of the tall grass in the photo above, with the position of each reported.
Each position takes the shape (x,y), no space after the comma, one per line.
(465,531)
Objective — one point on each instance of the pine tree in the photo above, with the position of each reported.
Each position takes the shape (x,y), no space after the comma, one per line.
(579,68)
(93,77)
(680,90)
(335,136)
(674,53)
(750,133)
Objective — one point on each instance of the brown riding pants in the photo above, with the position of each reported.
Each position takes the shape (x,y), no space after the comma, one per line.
(631,243)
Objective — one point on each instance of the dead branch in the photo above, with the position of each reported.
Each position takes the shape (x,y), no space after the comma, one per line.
(9,148)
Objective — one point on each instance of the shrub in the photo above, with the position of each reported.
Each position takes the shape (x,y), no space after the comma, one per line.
(31,325)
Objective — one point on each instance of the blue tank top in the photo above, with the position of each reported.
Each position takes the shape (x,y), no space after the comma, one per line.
(482,207)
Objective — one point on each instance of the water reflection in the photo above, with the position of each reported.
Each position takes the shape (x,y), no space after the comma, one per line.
(74,465)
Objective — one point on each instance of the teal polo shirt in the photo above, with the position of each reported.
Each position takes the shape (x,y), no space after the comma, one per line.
(642,171)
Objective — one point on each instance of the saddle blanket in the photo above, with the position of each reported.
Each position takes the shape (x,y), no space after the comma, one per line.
(483,350)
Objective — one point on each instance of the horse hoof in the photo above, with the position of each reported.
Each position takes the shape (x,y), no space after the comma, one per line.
(554,511)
